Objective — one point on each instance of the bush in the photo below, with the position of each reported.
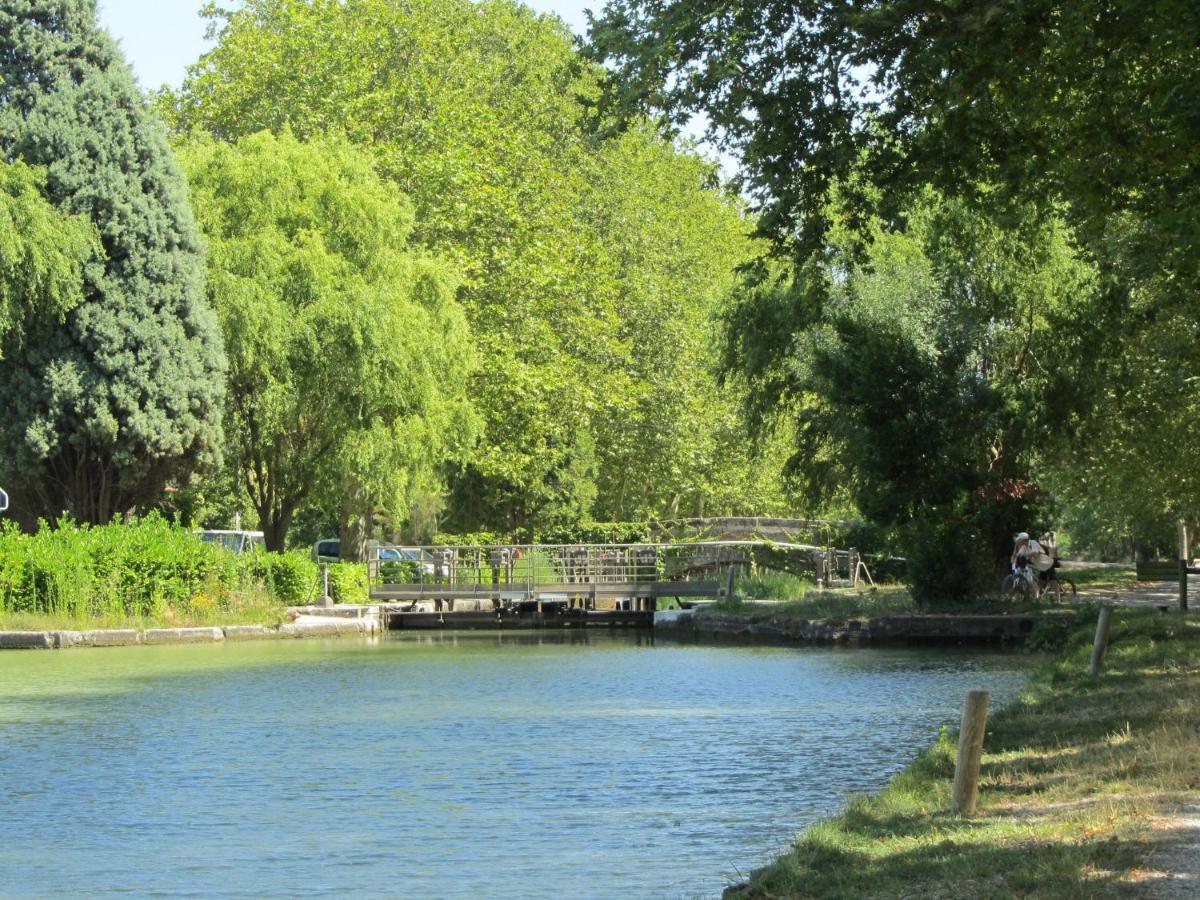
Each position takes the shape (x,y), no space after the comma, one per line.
(597,533)
(137,571)
(348,582)
(292,578)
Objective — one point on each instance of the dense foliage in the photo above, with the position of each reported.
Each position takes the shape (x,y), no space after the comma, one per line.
(42,253)
(1077,115)
(348,356)
(100,410)
(136,571)
(914,379)
(589,269)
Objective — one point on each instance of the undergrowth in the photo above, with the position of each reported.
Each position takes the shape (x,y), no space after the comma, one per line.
(148,571)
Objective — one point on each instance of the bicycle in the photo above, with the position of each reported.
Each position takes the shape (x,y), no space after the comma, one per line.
(1018,586)
(1058,588)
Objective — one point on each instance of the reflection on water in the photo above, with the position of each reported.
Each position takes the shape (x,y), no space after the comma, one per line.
(514,764)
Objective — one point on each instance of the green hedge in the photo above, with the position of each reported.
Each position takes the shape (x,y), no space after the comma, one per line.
(137,570)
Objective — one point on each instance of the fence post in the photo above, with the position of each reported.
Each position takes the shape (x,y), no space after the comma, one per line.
(326,600)
(1100,644)
(970,752)
(1184,562)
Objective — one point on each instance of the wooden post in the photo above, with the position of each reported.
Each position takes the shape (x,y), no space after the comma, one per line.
(732,574)
(970,751)
(1101,642)
(1184,562)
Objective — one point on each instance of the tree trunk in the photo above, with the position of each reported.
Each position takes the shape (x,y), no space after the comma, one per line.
(275,525)
(354,527)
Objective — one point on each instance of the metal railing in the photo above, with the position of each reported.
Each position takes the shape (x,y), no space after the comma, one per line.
(527,566)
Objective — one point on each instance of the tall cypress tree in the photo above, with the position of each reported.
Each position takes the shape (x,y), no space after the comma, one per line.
(99,412)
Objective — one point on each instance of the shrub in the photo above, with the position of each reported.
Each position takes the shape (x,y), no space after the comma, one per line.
(139,570)
(348,582)
(292,578)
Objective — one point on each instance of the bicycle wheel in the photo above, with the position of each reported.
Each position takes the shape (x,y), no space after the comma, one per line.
(1013,588)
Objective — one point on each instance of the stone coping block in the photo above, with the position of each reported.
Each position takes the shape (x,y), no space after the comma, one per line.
(249,632)
(314,627)
(183,635)
(306,626)
(349,611)
(25,640)
(111,637)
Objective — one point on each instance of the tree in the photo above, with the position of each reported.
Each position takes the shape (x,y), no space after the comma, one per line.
(42,253)
(913,379)
(590,269)
(1088,104)
(102,410)
(348,357)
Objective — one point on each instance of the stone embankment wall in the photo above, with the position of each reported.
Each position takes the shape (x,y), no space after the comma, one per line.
(124,637)
(884,630)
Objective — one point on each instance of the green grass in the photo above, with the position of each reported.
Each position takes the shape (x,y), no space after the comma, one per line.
(1102,577)
(773,586)
(800,599)
(1073,773)
(252,607)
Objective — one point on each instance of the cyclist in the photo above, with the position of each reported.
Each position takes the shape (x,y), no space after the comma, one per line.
(1034,561)
(1020,558)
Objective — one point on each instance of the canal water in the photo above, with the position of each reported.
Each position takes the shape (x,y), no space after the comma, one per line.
(442,765)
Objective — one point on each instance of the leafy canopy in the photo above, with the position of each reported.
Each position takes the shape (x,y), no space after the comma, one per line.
(102,410)
(42,252)
(348,357)
(1087,103)
(589,268)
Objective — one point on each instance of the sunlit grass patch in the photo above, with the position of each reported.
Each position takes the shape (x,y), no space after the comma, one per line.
(1075,772)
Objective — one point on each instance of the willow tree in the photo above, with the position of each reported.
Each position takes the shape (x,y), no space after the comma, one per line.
(99,412)
(587,270)
(348,356)
(42,254)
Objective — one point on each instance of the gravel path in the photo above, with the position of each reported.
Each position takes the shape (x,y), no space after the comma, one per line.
(1173,869)
(1144,593)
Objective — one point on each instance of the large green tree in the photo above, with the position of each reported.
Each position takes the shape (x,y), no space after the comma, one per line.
(348,356)
(1085,103)
(1082,110)
(101,411)
(913,379)
(589,267)
(42,253)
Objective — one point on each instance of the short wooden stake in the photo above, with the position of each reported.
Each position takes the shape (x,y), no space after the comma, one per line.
(1185,554)
(1183,585)
(970,752)
(1101,643)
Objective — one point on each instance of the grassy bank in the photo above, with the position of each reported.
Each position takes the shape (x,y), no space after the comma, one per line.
(1074,774)
(255,607)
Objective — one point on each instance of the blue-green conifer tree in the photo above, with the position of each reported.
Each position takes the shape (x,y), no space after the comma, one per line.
(100,411)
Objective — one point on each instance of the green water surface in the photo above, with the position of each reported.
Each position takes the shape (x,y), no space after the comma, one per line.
(443,765)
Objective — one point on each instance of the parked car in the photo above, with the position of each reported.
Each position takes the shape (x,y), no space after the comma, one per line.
(233,541)
(329,550)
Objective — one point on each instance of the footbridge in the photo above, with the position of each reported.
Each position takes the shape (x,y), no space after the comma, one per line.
(545,585)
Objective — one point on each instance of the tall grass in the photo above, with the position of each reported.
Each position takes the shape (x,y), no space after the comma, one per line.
(148,571)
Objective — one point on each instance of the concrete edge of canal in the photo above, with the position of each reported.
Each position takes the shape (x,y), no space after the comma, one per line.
(303,627)
(895,630)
